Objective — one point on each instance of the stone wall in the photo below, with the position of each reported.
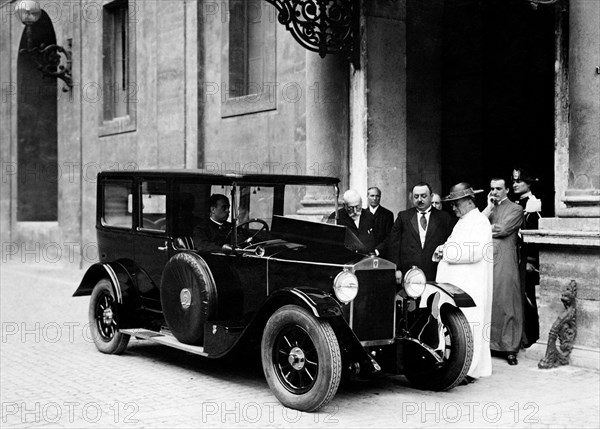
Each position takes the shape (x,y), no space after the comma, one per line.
(268,141)
(163,135)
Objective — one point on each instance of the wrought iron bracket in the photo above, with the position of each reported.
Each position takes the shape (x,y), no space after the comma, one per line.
(323,26)
(563,4)
(49,61)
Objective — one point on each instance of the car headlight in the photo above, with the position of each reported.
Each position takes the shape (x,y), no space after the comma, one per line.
(414,282)
(345,286)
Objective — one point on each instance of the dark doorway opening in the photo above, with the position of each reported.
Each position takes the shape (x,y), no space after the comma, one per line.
(498,94)
(37,153)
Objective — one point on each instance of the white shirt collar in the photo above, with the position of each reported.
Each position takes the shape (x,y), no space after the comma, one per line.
(218,223)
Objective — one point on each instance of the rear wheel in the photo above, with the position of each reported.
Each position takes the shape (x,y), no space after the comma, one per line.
(301,359)
(104,320)
(457,355)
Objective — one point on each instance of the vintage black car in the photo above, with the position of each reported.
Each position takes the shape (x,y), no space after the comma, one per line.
(303,291)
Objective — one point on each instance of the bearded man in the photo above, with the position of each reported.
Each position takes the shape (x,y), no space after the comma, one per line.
(360,222)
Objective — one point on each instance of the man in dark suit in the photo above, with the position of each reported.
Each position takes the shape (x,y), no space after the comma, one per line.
(383,219)
(211,235)
(417,232)
(357,220)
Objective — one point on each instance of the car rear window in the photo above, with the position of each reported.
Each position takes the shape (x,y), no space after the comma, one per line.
(117,204)
(154,205)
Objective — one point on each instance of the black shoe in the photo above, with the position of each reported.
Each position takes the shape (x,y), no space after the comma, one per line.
(511,358)
(467,380)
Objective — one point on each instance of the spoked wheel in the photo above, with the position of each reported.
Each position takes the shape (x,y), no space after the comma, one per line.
(301,359)
(457,355)
(103,318)
(296,359)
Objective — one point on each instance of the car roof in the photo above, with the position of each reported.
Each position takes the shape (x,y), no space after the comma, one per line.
(223,179)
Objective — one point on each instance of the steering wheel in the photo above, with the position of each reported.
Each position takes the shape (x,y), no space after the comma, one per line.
(248,241)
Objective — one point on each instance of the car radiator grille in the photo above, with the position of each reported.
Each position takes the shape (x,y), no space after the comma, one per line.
(373,315)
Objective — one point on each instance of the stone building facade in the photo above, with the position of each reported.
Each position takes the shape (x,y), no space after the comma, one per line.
(438,91)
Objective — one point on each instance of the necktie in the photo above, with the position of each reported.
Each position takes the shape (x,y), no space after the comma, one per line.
(423,222)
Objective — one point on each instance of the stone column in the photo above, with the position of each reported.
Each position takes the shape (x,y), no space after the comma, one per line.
(582,196)
(569,244)
(326,126)
(379,147)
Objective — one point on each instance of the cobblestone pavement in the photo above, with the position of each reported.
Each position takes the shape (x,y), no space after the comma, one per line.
(52,376)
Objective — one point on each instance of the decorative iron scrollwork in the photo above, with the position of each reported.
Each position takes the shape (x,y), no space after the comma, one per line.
(323,26)
(560,3)
(49,62)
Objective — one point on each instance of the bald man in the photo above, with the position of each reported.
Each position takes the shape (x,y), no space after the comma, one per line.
(360,222)
(436,201)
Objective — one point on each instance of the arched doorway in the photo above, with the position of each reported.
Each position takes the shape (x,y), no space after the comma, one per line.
(498,93)
(37,153)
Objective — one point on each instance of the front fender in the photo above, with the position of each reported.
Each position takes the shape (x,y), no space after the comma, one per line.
(449,294)
(322,305)
(318,302)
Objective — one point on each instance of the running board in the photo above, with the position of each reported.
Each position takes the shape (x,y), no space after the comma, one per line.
(166,340)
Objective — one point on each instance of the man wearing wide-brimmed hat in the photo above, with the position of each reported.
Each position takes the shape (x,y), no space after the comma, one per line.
(466,260)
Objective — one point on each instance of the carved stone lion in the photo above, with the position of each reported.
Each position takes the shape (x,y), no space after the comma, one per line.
(564,329)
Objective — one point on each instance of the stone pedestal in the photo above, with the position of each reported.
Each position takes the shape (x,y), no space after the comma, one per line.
(569,250)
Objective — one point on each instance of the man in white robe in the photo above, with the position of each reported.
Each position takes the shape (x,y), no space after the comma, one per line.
(466,260)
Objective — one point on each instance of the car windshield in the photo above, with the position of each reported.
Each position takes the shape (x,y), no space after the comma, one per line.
(307,202)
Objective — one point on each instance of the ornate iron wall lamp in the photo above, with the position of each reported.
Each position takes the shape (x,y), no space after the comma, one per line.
(48,58)
(323,26)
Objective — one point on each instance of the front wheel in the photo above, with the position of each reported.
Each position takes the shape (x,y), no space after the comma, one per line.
(104,321)
(301,359)
(457,355)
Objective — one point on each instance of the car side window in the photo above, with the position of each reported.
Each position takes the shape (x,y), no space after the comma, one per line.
(190,207)
(153,197)
(117,205)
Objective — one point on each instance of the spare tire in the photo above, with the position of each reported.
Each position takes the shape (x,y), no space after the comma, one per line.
(188,297)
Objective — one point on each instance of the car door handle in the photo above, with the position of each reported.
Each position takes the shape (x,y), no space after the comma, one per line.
(163,248)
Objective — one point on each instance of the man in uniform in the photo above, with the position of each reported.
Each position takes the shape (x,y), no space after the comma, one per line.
(529,264)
